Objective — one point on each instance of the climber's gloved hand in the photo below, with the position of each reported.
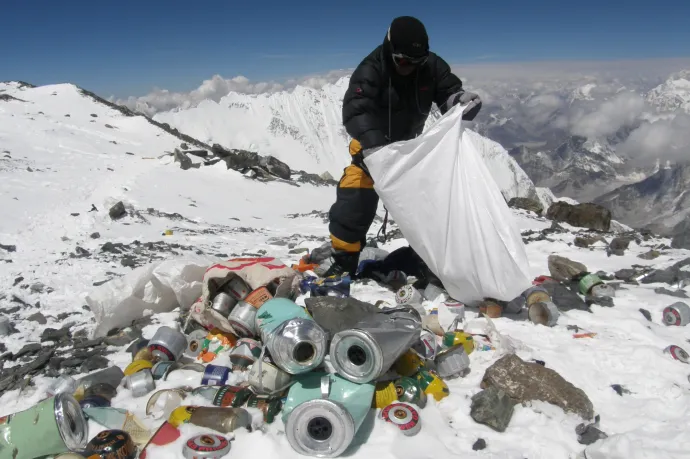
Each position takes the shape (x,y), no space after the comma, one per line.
(472,101)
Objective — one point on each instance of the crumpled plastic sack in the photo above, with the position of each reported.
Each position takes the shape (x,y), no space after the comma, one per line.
(452,212)
(158,287)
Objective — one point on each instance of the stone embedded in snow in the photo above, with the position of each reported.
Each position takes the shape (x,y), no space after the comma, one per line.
(619,245)
(479,445)
(647,315)
(117,211)
(95,235)
(28,349)
(586,215)
(584,242)
(524,381)
(8,248)
(492,407)
(276,167)
(184,146)
(38,317)
(665,291)
(526,204)
(95,363)
(651,255)
(184,160)
(241,160)
(326,176)
(589,433)
(562,269)
(51,334)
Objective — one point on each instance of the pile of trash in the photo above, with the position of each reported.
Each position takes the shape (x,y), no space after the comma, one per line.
(321,368)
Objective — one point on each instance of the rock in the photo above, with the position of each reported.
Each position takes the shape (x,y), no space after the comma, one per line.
(298,250)
(664,276)
(524,381)
(588,215)
(625,274)
(128,262)
(117,211)
(93,115)
(38,287)
(81,252)
(95,235)
(600,300)
(71,362)
(665,291)
(603,275)
(581,242)
(184,146)
(109,247)
(17,280)
(88,343)
(198,153)
(651,255)
(619,245)
(492,407)
(681,235)
(620,390)
(40,362)
(38,317)
(123,337)
(479,445)
(95,363)
(51,334)
(526,204)
(109,126)
(184,160)
(564,298)
(8,248)
(589,433)
(326,176)
(563,269)
(28,349)
(647,315)
(242,160)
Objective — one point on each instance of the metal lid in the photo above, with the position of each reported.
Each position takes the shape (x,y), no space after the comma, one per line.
(71,421)
(321,428)
(206,446)
(356,356)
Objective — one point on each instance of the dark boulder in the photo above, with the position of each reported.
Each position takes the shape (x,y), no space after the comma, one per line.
(588,215)
(526,204)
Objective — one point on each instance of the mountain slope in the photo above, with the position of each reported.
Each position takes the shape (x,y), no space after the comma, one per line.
(673,94)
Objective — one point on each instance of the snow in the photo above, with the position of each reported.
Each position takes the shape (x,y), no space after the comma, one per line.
(75,165)
(673,94)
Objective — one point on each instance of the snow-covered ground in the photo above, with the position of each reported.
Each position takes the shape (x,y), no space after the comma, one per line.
(58,166)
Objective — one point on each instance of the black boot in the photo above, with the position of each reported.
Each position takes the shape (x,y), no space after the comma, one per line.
(343,262)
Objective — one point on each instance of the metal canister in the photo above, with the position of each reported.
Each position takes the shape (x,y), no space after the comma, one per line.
(544,314)
(432,385)
(223,303)
(384,395)
(451,339)
(409,390)
(181,415)
(243,320)
(237,288)
(112,375)
(258,297)
(161,369)
(427,345)
(269,405)
(137,346)
(452,362)
(536,294)
(5,326)
(266,378)
(168,344)
(195,341)
(140,383)
(296,343)
(244,354)
(57,421)
(490,308)
(163,402)
(404,416)
(677,314)
(364,353)
(677,353)
(215,375)
(587,282)
(137,366)
(407,365)
(206,446)
(233,396)
(63,384)
(94,401)
(408,295)
(111,444)
(224,420)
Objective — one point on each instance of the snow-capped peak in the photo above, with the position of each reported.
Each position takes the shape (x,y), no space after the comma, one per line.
(673,94)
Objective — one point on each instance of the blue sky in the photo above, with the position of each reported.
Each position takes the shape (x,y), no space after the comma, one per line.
(128,47)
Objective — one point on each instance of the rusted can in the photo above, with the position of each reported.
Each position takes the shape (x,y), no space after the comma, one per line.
(215,375)
(677,353)
(677,314)
(269,405)
(224,420)
(206,446)
(168,344)
(384,395)
(409,390)
(404,416)
(232,396)
(408,295)
(244,354)
(237,288)
(243,320)
(258,297)
(223,303)
(111,444)
(536,294)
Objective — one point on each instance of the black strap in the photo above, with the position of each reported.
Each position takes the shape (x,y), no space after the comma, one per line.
(381,235)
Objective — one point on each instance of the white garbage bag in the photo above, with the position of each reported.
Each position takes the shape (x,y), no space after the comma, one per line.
(446,203)
(158,287)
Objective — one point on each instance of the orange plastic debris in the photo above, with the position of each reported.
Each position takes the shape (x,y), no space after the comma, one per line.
(303,266)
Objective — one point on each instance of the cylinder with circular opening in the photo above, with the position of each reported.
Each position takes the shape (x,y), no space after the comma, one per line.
(543,314)
(168,344)
(296,343)
(242,318)
(677,314)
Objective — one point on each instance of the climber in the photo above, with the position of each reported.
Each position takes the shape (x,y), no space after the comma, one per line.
(389,98)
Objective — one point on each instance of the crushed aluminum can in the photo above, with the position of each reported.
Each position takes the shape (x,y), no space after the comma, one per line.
(63,384)
(408,295)
(409,390)
(543,314)
(163,402)
(677,353)
(266,378)
(167,344)
(224,420)
(137,346)
(237,288)
(244,354)
(195,341)
(432,385)
(451,339)
(94,401)
(215,375)
(111,444)
(137,366)
(206,446)
(452,363)
(384,395)
(427,345)
(223,303)
(243,319)
(404,416)
(269,405)
(140,383)
(677,314)
(408,364)
(232,396)
(586,284)
(258,297)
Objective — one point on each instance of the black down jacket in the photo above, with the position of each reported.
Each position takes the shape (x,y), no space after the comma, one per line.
(381,106)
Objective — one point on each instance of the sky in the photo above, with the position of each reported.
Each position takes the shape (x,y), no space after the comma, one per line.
(128,48)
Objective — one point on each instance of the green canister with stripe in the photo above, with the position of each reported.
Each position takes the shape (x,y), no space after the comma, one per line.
(588,282)
(53,426)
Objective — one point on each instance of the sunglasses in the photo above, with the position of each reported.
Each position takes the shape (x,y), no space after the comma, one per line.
(403,60)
